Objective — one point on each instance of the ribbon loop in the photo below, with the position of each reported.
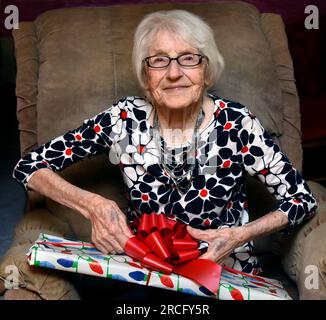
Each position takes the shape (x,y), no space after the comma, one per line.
(157,244)
(184,244)
(136,249)
(165,245)
(155,263)
(153,222)
(183,256)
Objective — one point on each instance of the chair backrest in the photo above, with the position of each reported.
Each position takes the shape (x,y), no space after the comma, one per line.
(73,63)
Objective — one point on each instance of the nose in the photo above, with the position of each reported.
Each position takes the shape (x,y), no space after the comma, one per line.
(174,70)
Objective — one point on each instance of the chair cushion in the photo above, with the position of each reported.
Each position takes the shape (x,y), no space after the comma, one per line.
(47,283)
(290,140)
(304,252)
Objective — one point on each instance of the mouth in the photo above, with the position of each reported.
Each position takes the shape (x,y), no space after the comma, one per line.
(179,87)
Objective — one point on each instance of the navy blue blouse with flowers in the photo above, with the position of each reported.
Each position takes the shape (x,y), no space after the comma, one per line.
(232,145)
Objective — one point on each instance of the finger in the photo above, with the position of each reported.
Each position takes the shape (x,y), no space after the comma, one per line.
(123,223)
(102,244)
(108,247)
(111,241)
(115,245)
(125,228)
(197,233)
(125,234)
(122,240)
(214,256)
(221,262)
(208,255)
(105,249)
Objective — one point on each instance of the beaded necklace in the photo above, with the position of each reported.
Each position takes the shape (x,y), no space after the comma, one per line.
(181,173)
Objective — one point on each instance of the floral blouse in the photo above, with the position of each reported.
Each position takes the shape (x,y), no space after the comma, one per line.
(232,145)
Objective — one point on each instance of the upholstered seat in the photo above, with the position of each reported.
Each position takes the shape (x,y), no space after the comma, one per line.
(73,63)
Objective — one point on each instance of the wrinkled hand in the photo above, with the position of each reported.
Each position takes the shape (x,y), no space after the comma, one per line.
(221,242)
(110,230)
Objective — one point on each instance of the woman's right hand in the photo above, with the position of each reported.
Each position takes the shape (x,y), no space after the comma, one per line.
(110,231)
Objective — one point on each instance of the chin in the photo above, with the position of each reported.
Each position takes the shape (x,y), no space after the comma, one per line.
(177,107)
(177,104)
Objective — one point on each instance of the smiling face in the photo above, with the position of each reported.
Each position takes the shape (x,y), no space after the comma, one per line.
(174,87)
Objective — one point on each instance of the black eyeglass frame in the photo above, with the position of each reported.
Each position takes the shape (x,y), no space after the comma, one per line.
(201,57)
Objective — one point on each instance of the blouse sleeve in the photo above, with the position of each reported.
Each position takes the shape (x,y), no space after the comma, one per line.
(93,137)
(263,158)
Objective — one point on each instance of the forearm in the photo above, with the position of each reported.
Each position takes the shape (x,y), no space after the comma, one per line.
(269,223)
(53,186)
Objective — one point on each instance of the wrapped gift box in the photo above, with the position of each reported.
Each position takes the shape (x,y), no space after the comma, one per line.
(76,256)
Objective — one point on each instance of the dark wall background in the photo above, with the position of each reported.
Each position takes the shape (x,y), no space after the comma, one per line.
(307,47)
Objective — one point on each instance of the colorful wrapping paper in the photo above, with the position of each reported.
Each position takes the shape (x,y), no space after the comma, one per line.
(76,256)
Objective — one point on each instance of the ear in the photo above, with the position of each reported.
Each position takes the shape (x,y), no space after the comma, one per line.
(207,81)
(145,87)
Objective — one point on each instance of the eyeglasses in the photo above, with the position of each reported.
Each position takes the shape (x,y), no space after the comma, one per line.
(187,60)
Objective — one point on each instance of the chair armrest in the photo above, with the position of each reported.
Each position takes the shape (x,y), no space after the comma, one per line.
(318,190)
(307,247)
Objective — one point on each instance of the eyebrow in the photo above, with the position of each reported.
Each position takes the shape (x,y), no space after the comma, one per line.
(164,53)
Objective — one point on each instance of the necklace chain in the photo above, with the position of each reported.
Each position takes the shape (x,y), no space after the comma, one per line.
(182,180)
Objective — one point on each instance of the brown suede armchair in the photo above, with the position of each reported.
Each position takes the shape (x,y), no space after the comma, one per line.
(73,63)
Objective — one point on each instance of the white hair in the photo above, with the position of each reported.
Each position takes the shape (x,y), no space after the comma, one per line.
(191,28)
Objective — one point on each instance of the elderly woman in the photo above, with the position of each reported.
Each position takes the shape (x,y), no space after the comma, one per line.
(182,152)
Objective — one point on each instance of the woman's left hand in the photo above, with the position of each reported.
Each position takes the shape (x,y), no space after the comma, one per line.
(221,242)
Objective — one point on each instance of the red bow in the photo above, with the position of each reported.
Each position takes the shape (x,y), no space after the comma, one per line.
(165,245)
